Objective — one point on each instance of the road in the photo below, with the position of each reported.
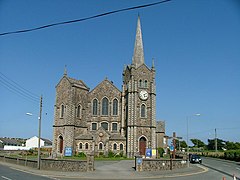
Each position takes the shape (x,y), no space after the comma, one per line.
(8,173)
(217,169)
(225,167)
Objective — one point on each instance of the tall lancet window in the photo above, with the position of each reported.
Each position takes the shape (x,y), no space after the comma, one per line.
(78,111)
(105,106)
(94,107)
(62,111)
(143,111)
(115,107)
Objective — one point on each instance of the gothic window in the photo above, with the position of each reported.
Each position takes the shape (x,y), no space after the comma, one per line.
(94,126)
(80,145)
(62,111)
(115,107)
(114,146)
(114,126)
(104,125)
(143,111)
(121,147)
(78,111)
(145,83)
(86,146)
(95,106)
(105,106)
(140,83)
(100,146)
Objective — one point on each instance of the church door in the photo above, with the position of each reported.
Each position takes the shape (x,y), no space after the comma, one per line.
(142,145)
(60,144)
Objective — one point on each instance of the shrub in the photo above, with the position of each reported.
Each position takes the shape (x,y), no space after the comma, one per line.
(81,155)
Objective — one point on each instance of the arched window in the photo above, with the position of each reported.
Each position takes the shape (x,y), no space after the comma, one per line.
(143,111)
(62,111)
(114,126)
(105,106)
(121,147)
(104,125)
(86,146)
(78,111)
(100,146)
(145,83)
(95,107)
(114,146)
(140,83)
(80,145)
(115,107)
(94,126)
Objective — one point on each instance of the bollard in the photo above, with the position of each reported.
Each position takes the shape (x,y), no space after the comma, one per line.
(234,177)
(224,178)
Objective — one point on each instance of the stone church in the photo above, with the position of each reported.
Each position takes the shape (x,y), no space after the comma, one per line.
(105,118)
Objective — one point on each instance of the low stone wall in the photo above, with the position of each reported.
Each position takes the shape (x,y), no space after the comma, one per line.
(53,164)
(159,164)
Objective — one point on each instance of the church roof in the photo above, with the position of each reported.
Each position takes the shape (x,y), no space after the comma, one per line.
(138,55)
(105,81)
(117,137)
(84,137)
(78,83)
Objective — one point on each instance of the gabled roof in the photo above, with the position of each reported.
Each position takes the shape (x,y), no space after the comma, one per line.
(75,83)
(104,82)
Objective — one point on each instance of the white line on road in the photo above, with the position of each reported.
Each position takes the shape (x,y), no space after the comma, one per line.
(6,178)
(238,168)
(226,165)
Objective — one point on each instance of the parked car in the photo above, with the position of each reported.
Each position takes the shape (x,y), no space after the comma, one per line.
(194,158)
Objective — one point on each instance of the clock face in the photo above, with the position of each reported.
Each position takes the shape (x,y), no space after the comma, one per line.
(143,95)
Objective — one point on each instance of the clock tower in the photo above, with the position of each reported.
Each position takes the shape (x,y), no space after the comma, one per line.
(139,102)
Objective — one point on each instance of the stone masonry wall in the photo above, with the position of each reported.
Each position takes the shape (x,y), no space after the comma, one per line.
(52,164)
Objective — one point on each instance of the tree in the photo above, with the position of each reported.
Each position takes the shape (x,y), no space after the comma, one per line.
(220,144)
(232,145)
(198,143)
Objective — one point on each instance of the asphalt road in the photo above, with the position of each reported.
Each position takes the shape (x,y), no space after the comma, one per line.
(8,173)
(228,168)
(217,170)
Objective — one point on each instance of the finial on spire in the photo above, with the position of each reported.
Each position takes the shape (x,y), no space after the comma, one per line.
(153,65)
(138,55)
(65,70)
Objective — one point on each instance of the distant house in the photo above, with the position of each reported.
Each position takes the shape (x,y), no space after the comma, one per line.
(33,142)
(10,144)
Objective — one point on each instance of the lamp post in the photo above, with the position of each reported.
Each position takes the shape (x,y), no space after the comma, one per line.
(188,138)
(39,132)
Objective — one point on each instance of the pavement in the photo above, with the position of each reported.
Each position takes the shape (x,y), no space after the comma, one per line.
(113,170)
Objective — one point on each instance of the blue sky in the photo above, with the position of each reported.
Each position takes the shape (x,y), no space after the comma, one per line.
(195,44)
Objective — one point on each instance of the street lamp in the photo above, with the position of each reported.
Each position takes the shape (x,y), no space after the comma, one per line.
(187,137)
(39,132)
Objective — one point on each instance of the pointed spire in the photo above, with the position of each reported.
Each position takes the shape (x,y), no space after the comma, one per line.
(65,70)
(138,56)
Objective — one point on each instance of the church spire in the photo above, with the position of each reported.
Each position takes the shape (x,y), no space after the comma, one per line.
(138,56)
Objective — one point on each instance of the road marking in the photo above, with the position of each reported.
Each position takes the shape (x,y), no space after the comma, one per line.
(226,165)
(6,178)
(238,168)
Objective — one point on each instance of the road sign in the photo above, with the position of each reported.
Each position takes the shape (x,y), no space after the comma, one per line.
(148,152)
(68,151)
(171,148)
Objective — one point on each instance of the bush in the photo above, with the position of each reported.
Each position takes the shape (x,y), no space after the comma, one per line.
(232,155)
(160,152)
(81,155)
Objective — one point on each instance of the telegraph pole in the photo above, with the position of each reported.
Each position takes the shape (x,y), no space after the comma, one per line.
(39,133)
(215,139)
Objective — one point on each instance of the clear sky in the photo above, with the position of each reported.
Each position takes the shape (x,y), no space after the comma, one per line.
(195,44)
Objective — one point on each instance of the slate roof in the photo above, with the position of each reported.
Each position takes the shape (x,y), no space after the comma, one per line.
(8,141)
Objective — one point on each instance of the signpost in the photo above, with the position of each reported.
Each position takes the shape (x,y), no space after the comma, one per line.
(68,151)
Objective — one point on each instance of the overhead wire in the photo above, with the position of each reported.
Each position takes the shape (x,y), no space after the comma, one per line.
(83,19)
(17,89)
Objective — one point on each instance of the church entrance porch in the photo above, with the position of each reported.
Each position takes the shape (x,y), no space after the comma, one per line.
(142,145)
